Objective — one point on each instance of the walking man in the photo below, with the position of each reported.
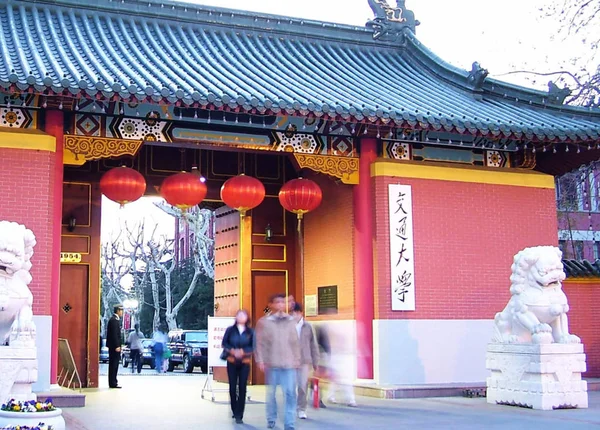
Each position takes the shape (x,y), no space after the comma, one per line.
(136,349)
(309,357)
(278,355)
(113,342)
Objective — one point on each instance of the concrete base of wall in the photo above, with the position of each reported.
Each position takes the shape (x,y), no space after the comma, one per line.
(431,390)
(437,352)
(43,342)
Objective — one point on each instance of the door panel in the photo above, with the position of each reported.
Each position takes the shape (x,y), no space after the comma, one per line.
(264,285)
(73,316)
(227,235)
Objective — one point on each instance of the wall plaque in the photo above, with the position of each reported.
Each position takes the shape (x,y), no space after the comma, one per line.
(310,305)
(327,298)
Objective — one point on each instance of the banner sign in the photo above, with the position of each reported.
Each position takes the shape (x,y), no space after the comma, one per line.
(402,248)
(216,330)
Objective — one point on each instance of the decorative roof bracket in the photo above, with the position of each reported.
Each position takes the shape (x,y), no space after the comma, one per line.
(390,23)
(477,76)
(556,95)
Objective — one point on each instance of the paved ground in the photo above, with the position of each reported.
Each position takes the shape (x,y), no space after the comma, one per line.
(146,370)
(165,402)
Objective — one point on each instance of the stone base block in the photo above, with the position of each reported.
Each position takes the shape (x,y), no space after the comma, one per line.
(537,376)
(19,370)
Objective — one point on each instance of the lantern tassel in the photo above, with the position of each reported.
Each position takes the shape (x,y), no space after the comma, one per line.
(299,223)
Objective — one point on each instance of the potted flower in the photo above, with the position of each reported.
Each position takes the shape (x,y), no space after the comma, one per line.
(31,415)
(40,426)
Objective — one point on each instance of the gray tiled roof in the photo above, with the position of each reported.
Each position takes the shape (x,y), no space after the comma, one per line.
(188,54)
(582,268)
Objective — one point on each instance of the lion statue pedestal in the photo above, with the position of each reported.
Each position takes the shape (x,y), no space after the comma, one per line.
(18,353)
(534,360)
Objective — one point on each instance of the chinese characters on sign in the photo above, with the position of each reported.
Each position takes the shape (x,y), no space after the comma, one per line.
(402,248)
(216,330)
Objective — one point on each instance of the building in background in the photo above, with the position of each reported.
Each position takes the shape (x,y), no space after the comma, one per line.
(184,237)
(578,203)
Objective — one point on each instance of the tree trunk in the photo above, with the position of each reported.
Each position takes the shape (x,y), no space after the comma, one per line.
(170,316)
(155,300)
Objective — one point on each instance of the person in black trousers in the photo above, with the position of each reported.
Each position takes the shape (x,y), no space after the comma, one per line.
(238,345)
(113,343)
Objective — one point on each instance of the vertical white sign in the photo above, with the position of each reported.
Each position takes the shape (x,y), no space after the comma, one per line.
(402,248)
(216,330)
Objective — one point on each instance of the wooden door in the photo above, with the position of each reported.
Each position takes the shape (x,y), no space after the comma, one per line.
(226,289)
(73,319)
(264,285)
(227,252)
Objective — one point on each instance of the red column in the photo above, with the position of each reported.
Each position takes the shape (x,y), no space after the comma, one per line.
(363,259)
(55,127)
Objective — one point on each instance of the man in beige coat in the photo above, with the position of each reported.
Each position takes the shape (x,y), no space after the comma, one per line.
(278,355)
(309,357)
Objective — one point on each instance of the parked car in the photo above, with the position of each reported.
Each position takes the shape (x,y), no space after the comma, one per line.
(147,357)
(189,348)
(104,352)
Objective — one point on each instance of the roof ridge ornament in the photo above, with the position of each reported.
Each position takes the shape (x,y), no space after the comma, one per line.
(391,22)
(557,95)
(477,76)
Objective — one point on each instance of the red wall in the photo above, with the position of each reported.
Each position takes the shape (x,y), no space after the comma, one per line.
(27,182)
(584,304)
(328,244)
(465,236)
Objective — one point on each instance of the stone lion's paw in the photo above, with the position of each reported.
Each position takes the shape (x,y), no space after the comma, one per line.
(513,338)
(542,338)
(570,338)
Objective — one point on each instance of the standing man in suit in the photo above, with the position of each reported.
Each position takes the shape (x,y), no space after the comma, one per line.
(113,342)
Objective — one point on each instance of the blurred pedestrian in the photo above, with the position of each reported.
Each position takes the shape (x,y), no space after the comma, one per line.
(238,345)
(159,344)
(309,357)
(342,358)
(323,371)
(113,342)
(136,349)
(278,355)
(290,304)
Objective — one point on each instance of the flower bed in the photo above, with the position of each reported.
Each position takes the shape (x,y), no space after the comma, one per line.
(30,406)
(40,426)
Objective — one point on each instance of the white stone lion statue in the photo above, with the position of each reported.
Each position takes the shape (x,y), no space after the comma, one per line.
(537,310)
(16,316)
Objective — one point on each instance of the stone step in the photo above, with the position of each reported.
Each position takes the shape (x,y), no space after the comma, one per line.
(64,398)
(433,390)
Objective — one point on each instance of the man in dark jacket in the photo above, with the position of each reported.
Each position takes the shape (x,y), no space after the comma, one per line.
(113,342)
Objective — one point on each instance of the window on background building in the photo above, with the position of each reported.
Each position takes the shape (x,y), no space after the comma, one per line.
(181,249)
(596,250)
(570,193)
(562,245)
(191,244)
(594,201)
(578,250)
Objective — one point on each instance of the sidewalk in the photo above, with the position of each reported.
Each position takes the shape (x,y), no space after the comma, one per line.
(165,402)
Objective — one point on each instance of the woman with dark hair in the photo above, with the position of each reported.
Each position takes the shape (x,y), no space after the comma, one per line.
(238,345)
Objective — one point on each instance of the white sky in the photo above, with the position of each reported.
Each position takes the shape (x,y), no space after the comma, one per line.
(500,35)
(114,218)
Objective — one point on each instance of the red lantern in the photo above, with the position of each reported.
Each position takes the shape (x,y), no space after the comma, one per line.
(123,185)
(300,196)
(183,190)
(242,193)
